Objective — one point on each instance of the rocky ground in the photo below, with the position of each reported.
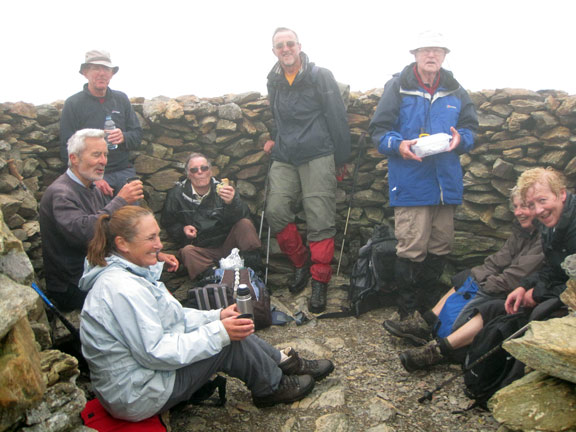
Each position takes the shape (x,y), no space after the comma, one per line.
(368,391)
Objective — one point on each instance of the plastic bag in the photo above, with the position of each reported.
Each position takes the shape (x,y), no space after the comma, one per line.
(232,261)
(431,145)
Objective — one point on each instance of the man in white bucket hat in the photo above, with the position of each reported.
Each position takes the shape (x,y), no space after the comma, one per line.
(89,109)
(424,99)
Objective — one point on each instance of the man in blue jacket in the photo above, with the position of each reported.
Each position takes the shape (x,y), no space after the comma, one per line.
(424,99)
(311,138)
(89,108)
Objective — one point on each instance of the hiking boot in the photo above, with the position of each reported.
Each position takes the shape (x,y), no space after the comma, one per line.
(317,302)
(291,389)
(301,278)
(414,329)
(296,365)
(422,357)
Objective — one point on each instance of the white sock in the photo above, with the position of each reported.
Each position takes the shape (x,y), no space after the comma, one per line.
(283,355)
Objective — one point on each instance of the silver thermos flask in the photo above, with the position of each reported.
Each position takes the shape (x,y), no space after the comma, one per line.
(244,302)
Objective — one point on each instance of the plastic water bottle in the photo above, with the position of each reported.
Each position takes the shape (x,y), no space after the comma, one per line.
(108,126)
(244,302)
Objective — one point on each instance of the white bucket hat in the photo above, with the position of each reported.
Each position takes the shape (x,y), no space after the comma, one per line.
(428,39)
(98,57)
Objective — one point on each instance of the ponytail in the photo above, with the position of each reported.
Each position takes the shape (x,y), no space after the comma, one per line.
(122,223)
(100,246)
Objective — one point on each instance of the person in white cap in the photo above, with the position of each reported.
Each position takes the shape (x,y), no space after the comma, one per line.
(424,99)
(89,109)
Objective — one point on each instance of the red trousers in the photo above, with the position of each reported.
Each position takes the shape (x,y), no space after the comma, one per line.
(321,252)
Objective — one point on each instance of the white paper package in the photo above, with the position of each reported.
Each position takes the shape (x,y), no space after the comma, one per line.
(431,145)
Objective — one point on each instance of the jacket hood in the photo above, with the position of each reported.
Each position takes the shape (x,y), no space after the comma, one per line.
(409,81)
(115,262)
(277,73)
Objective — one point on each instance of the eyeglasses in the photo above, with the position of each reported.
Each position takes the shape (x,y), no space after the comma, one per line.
(436,51)
(203,168)
(289,44)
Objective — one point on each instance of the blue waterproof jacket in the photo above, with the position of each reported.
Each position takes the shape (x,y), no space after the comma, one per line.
(404,112)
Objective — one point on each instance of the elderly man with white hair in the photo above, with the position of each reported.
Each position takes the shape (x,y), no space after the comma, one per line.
(424,99)
(68,210)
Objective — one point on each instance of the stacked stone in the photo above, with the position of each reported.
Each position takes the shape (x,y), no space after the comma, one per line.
(38,391)
(519,129)
(545,398)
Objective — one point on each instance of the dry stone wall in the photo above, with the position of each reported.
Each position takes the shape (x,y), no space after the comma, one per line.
(38,391)
(519,129)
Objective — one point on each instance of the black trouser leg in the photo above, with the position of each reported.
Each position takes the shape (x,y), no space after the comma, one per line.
(405,280)
(427,277)
(430,270)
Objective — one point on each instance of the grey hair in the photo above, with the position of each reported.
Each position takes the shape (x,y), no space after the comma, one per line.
(195,155)
(77,142)
(284,29)
(514,193)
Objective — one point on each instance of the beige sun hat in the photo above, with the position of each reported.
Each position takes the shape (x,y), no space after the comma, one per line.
(429,39)
(98,57)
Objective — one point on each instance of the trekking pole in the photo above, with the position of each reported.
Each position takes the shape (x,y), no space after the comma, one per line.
(262,222)
(428,394)
(265,198)
(355,176)
(59,314)
(267,257)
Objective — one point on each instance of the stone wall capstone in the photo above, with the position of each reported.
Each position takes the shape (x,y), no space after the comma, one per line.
(519,129)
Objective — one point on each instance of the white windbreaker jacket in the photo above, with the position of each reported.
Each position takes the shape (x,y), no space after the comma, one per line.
(135,335)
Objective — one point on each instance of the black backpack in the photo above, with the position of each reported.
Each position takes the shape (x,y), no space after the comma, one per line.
(498,369)
(372,275)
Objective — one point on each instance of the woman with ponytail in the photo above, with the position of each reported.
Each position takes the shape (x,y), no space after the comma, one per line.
(147,353)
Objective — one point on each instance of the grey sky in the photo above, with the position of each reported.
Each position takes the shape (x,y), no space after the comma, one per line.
(210,48)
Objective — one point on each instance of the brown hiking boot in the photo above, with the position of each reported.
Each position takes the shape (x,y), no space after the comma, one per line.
(422,357)
(414,328)
(296,365)
(291,389)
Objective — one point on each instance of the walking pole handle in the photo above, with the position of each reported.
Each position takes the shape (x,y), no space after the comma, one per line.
(59,314)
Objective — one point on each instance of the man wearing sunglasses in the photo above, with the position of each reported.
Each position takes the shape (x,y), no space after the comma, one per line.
(89,109)
(424,99)
(207,219)
(311,138)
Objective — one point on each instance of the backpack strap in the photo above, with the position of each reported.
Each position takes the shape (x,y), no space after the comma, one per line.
(344,313)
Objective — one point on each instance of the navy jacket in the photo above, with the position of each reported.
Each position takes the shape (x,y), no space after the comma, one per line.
(404,112)
(83,110)
(310,115)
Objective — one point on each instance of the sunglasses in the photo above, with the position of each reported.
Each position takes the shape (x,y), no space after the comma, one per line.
(203,168)
(289,44)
